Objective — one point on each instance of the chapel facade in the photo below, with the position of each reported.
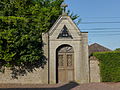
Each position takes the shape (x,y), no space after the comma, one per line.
(66,50)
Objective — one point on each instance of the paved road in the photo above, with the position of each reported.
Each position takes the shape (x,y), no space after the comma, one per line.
(98,86)
(67,86)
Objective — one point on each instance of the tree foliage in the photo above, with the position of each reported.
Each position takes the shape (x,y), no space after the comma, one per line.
(117,49)
(22,23)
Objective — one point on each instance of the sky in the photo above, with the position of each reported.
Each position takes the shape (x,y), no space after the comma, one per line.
(100,18)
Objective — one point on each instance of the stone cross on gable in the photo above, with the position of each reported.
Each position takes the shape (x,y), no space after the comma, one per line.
(64,7)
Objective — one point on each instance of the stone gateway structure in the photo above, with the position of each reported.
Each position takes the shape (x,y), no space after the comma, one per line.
(66,49)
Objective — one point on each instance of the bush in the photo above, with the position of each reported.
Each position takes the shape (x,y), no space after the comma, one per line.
(109,65)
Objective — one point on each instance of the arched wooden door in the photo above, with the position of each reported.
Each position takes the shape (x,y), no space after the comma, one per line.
(65,64)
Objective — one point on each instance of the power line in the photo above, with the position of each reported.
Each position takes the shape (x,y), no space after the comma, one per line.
(101,36)
(98,28)
(104,34)
(98,22)
(99,17)
(101,31)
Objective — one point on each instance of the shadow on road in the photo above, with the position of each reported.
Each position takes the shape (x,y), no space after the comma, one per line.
(67,86)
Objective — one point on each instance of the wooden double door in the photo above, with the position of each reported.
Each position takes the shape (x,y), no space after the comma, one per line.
(65,64)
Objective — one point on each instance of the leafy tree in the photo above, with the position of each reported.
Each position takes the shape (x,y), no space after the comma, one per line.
(22,23)
(117,49)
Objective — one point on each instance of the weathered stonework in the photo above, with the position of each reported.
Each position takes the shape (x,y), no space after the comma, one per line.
(79,44)
(38,76)
(94,69)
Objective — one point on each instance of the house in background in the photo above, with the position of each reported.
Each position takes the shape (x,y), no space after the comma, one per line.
(97,48)
(94,62)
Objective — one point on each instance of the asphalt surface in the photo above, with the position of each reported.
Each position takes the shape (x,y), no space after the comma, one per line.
(65,86)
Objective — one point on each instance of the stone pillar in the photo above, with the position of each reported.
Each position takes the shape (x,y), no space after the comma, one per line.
(45,49)
(94,69)
(85,60)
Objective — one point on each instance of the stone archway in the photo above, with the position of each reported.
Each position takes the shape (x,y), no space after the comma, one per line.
(64,64)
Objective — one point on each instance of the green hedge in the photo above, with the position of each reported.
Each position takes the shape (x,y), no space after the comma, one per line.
(109,65)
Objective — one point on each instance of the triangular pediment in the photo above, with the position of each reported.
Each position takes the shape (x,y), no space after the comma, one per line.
(64,27)
(64,33)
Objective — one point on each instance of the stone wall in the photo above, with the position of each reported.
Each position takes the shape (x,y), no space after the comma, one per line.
(94,69)
(38,75)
